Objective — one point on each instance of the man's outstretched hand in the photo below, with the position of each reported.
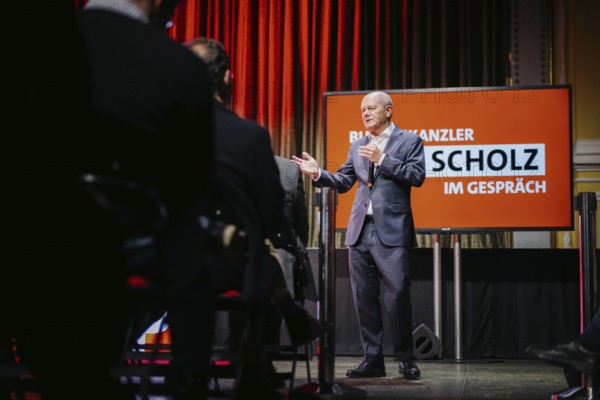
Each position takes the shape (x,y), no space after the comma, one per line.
(307,164)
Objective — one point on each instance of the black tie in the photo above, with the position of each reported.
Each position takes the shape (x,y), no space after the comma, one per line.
(371,173)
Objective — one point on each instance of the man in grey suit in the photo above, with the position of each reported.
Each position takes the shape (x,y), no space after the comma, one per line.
(387,163)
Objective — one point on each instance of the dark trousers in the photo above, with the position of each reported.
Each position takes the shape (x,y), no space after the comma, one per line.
(377,270)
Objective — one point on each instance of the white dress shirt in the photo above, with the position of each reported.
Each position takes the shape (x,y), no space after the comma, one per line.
(380,141)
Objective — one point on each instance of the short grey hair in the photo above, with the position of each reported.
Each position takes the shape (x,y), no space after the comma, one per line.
(383,97)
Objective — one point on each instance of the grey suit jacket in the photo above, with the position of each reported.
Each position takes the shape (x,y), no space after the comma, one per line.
(402,168)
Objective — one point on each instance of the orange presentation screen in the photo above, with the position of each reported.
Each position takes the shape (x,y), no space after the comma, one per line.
(496,158)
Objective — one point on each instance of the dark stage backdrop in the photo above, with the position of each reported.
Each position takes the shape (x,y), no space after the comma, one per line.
(511,298)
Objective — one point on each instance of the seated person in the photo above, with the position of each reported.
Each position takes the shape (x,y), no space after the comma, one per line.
(249,196)
(581,354)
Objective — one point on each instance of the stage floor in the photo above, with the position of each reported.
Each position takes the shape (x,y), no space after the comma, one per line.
(447,379)
(440,380)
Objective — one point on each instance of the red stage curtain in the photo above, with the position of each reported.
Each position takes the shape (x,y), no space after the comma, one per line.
(286,53)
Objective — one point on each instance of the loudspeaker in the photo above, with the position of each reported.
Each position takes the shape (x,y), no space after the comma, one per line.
(425,343)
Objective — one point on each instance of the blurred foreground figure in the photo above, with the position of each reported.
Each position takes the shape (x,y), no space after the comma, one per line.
(62,282)
(107,104)
(250,195)
(153,99)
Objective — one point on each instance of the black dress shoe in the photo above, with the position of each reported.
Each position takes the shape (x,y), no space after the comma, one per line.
(569,354)
(409,369)
(367,370)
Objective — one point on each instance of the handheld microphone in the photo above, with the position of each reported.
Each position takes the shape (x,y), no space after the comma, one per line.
(371,173)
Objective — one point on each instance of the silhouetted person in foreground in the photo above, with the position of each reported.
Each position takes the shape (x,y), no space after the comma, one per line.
(251,197)
(109,112)
(153,99)
(63,284)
